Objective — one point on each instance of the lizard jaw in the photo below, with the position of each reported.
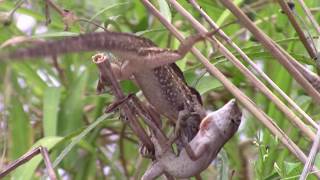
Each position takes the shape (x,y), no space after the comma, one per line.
(226,119)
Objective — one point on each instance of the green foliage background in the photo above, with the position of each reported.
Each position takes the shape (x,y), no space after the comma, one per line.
(42,106)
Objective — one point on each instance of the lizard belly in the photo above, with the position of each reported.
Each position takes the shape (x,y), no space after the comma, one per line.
(161,92)
(183,167)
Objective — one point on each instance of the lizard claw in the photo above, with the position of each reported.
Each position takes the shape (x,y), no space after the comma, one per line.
(144,151)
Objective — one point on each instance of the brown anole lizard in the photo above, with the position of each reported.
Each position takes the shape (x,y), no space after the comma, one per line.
(215,130)
(162,83)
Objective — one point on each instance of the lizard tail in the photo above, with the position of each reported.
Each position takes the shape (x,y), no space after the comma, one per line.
(87,42)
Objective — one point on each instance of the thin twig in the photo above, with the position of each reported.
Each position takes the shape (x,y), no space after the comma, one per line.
(121,151)
(92,22)
(252,107)
(47,13)
(28,156)
(280,55)
(68,17)
(59,69)
(16,7)
(311,157)
(47,162)
(310,16)
(286,9)
(55,7)
(107,75)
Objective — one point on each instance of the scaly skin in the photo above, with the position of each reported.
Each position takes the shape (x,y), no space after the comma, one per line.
(215,130)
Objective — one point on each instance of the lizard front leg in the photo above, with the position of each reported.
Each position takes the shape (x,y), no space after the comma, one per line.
(177,130)
(185,130)
(154,56)
(196,153)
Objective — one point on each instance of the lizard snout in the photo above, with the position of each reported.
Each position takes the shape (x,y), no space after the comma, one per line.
(226,120)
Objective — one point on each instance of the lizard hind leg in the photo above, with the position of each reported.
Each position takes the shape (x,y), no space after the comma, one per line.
(153,172)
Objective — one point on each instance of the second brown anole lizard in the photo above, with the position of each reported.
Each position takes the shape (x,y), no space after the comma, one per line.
(215,130)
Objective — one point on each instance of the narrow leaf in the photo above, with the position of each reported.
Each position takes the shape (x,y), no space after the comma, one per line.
(20,129)
(51,102)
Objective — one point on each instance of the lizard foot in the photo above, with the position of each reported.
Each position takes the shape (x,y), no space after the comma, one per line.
(145,152)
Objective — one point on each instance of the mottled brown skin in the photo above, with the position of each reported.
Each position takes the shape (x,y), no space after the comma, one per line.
(169,94)
(160,80)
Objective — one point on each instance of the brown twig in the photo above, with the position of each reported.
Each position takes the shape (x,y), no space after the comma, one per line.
(47,13)
(47,162)
(150,120)
(55,7)
(28,156)
(311,158)
(68,17)
(252,107)
(10,16)
(246,166)
(92,22)
(59,69)
(121,151)
(310,16)
(286,9)
(109,78)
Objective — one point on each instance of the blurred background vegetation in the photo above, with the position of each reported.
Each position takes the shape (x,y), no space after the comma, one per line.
(50,103)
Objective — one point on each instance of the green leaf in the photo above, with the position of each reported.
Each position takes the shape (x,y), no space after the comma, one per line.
(207,83)
(223,165)
(165,10)
(51,100)
(106,9)
(226,13)
(31,77)
(273,176)
(278,169)
(72,109)
(76,139)
(19,128)
(293,168)
(55,34)
(203,83)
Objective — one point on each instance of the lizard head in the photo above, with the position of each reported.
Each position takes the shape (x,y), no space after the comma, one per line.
(226,120)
